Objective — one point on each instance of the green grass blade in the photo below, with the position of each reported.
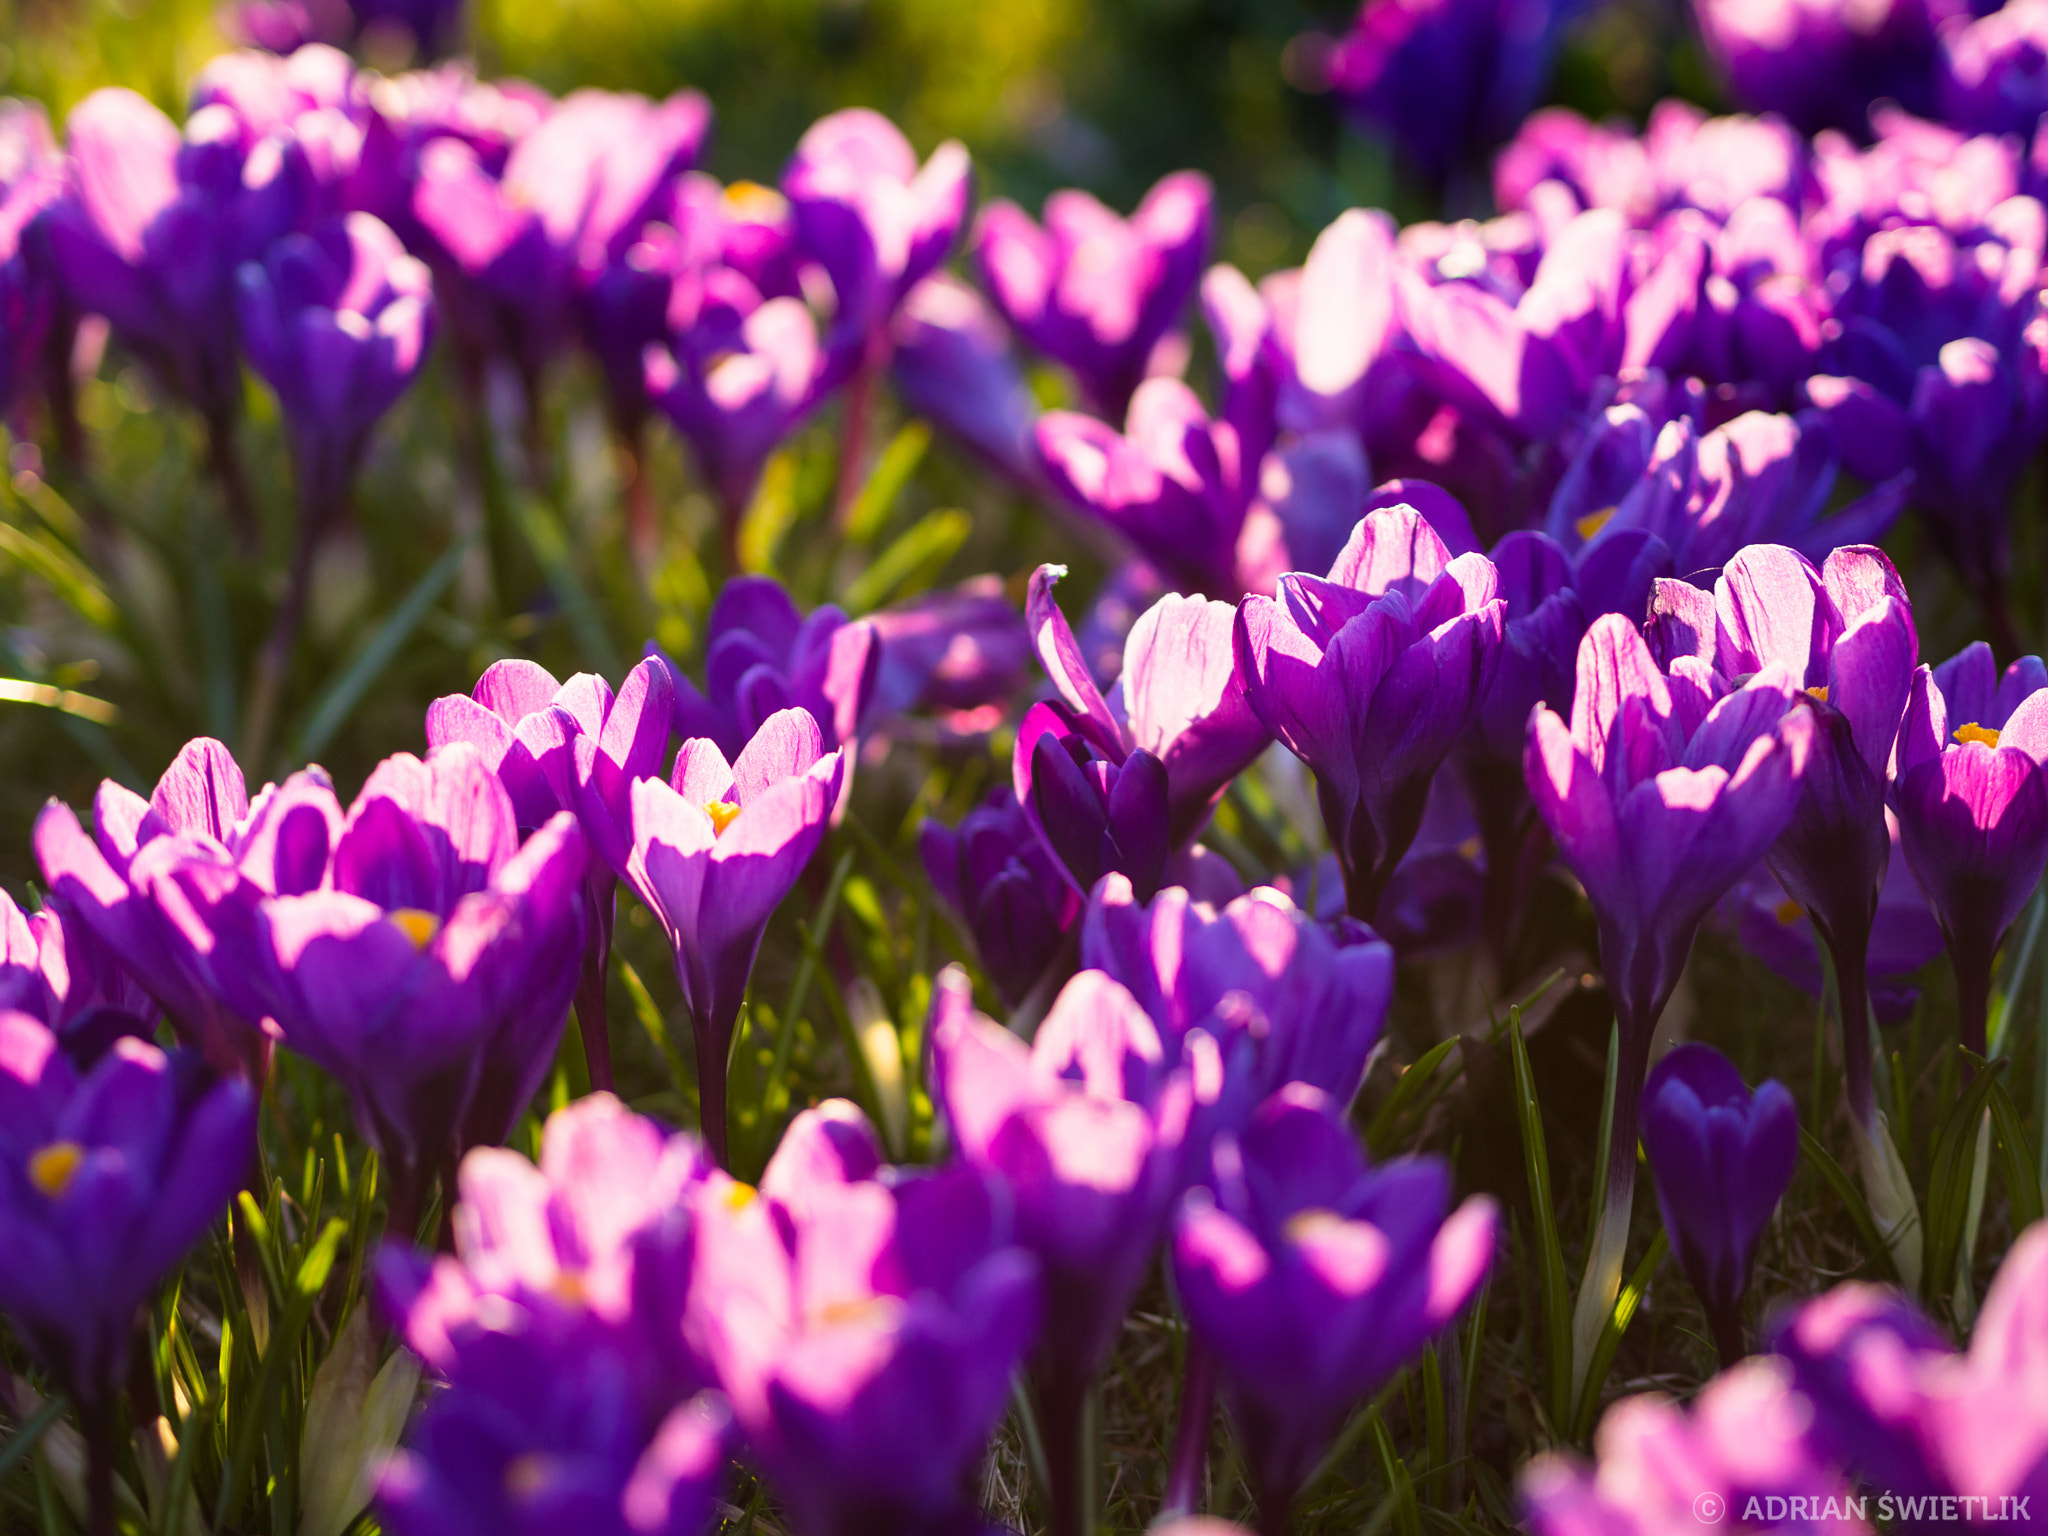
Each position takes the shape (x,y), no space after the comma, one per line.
(913,562)
(1845,1189)
(64,573)
(885,483)
(1407,1090)
(1948,1178)
(1557,1304)
(544,535)
(2022,1186)
(338,700)
(1625,1306)
(26,1437)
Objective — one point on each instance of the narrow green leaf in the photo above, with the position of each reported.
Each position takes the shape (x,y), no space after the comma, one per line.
(656,1027)
(1949,1173)
(545,536)
(26,1437)
(913,562)
(1625,1306)
(1408,1088)
(2022,1186)
(1822,1162)
(1557,1306)
(338,699)
(66,575)
(885,483)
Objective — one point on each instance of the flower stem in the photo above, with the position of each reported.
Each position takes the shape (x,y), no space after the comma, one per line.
(98,1423)
(224,463)
(853,434)
(712,1044)
(1730,1343)
(592,1021)
(1190,1465)
(1063,1420)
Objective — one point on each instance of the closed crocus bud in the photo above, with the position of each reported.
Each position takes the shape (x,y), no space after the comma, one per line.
(762,655)
(876,220)
(1085,1129)
(109,1177)
(712,851)
(997,873)
(1092,290)
(337,321)
(1097,814)
(1369,675)
(1972,798)
(556,1328)
(1314,1279)
(1723,1158)
(1739,1458)
(865,1330)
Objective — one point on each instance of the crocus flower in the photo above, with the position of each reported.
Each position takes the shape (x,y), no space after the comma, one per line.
(522,721)
(589,1253)
(61,975)
(1991,78)
(427,963)
(951,363)
(995,871)
(1916,1420)
(1972,799)
(99,883)
(337,321)
(1447,80)
(1314,1278)
(1084,1127)
(1723,1157)
(1143,766)
(1903,938)
(1821,66)
(314,101)
(876,220)
(961,650)
(31,178)
(516,248)
(1845,634)
(153,230)
(1660,793)
(866,1331)
(556,1326)
(1092,290)
(1739,1458)
(761,656)
(712,851)
(1287,999)
(106,1178)
(1369,675)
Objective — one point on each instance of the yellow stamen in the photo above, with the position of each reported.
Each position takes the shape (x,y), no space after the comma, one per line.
(1469,849)
(1818,691)
(528,1476)
(1789,911)
(52,1168)
(744,197)
(1975,732)
(1306,1224)
(568,1287)
(1593,522)
(416,924)
(740,1196)
(721,813)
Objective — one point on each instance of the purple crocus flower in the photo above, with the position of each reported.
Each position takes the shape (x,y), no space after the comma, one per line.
(865,1330)
(876,220)
(337,321)
(1447,80)
(103,884)
(962,650)
(1369,675)
(1084,1127)
(1916,1420)
(762,656)
(951,363)
(1173,482)
(556,1327)
(1992,77)
(515,248)
(1904,936)
(1723,1157)
(154,227)
(1092,290)
(420,955)
(1845,634)
(107,1177)
(997,873)
(1314,1278)
(1972,799)
(712,851)
(1740,1457)
(31,178)
(314,102)
(1287,999)
(1660,793)
(523,721)
(62,976)
(1121,782)
(1821,66)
